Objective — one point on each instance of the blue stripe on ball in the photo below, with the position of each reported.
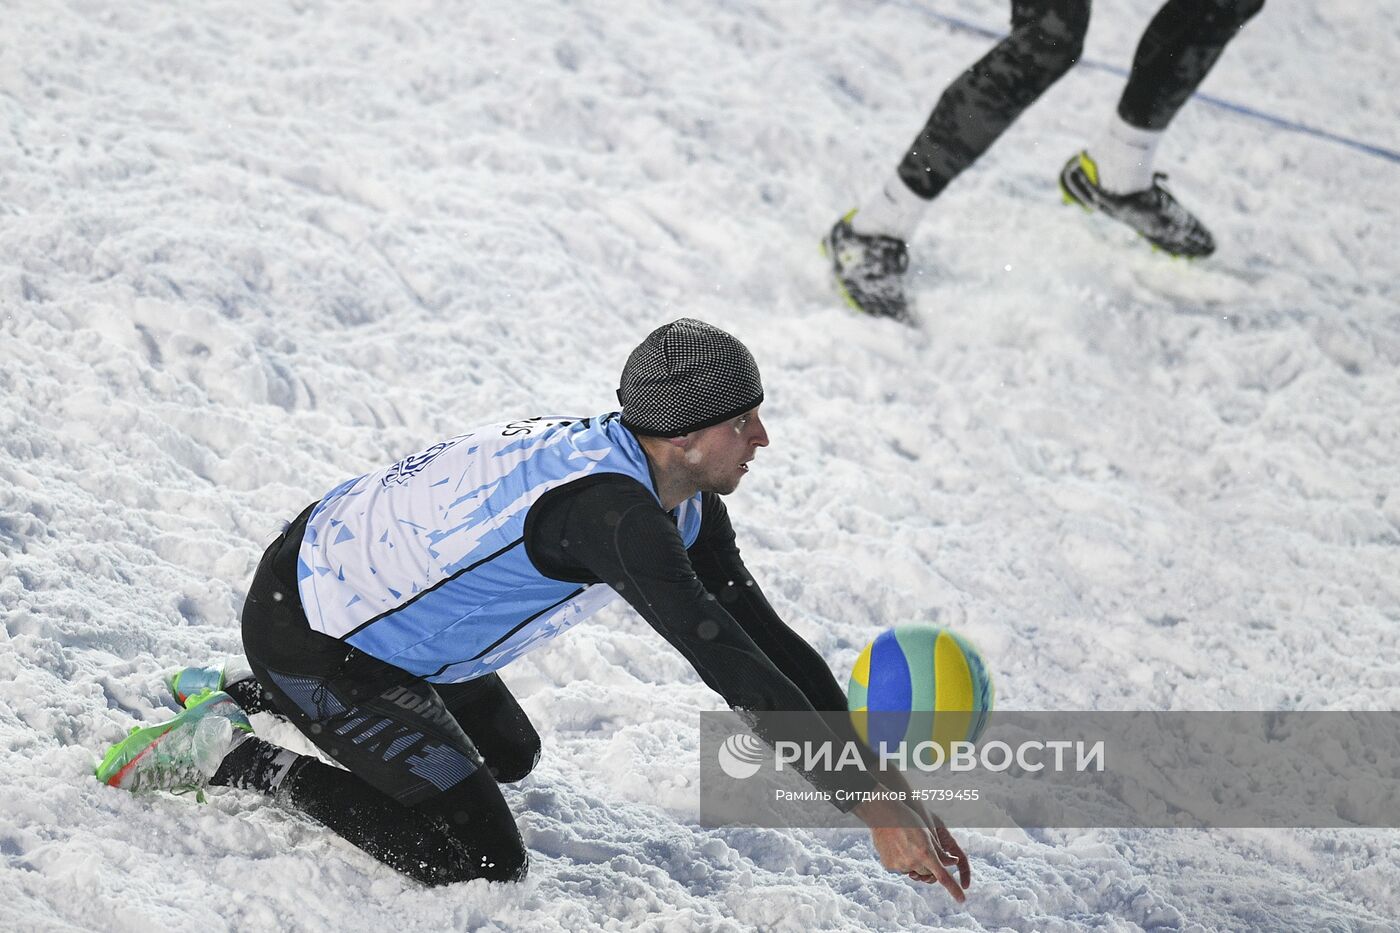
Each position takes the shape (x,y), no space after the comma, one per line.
(890,693)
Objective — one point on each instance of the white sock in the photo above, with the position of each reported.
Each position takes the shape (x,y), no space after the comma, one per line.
(1124,156)
(893,210)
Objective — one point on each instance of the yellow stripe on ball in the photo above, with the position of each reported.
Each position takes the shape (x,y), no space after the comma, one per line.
(861,674)
(953,683)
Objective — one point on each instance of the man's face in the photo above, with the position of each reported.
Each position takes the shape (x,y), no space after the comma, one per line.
(718,456)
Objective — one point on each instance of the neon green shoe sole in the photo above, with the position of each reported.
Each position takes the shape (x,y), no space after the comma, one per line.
(180,755)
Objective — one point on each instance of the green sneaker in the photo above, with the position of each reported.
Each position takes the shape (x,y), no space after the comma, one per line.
(180,755)
(192,681)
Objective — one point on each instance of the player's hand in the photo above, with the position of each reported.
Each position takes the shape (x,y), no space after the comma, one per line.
(949,852)
(906,845)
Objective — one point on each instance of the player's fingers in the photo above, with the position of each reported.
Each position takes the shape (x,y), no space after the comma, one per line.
(948,883)
(954,855)
(950,853)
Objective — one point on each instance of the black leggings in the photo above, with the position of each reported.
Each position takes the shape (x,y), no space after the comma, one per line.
(1176,52)
(422,761)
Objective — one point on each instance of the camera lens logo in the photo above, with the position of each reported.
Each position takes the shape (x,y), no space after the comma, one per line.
(741,755)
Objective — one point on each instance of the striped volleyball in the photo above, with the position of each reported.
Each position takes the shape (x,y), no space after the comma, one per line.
(919,683)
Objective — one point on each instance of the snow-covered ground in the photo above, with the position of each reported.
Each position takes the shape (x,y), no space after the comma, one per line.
(249,250)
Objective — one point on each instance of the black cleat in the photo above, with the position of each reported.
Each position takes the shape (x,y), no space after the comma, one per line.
(869,270)
(1152,212)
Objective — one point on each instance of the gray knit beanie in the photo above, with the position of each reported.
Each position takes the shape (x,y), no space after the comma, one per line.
(685,376)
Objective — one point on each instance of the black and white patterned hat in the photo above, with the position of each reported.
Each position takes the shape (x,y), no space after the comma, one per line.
(685,376)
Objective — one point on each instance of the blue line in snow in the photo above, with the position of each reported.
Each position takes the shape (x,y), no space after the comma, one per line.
(1282,123)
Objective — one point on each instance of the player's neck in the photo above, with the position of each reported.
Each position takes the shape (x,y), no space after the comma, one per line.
(669,476)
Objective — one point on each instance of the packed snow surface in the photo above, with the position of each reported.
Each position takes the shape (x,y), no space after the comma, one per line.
(251,250)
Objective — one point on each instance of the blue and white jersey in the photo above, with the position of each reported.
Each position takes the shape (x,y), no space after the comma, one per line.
(423,564)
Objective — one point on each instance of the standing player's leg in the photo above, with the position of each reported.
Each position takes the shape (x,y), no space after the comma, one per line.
(1115,174)
(868,247)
